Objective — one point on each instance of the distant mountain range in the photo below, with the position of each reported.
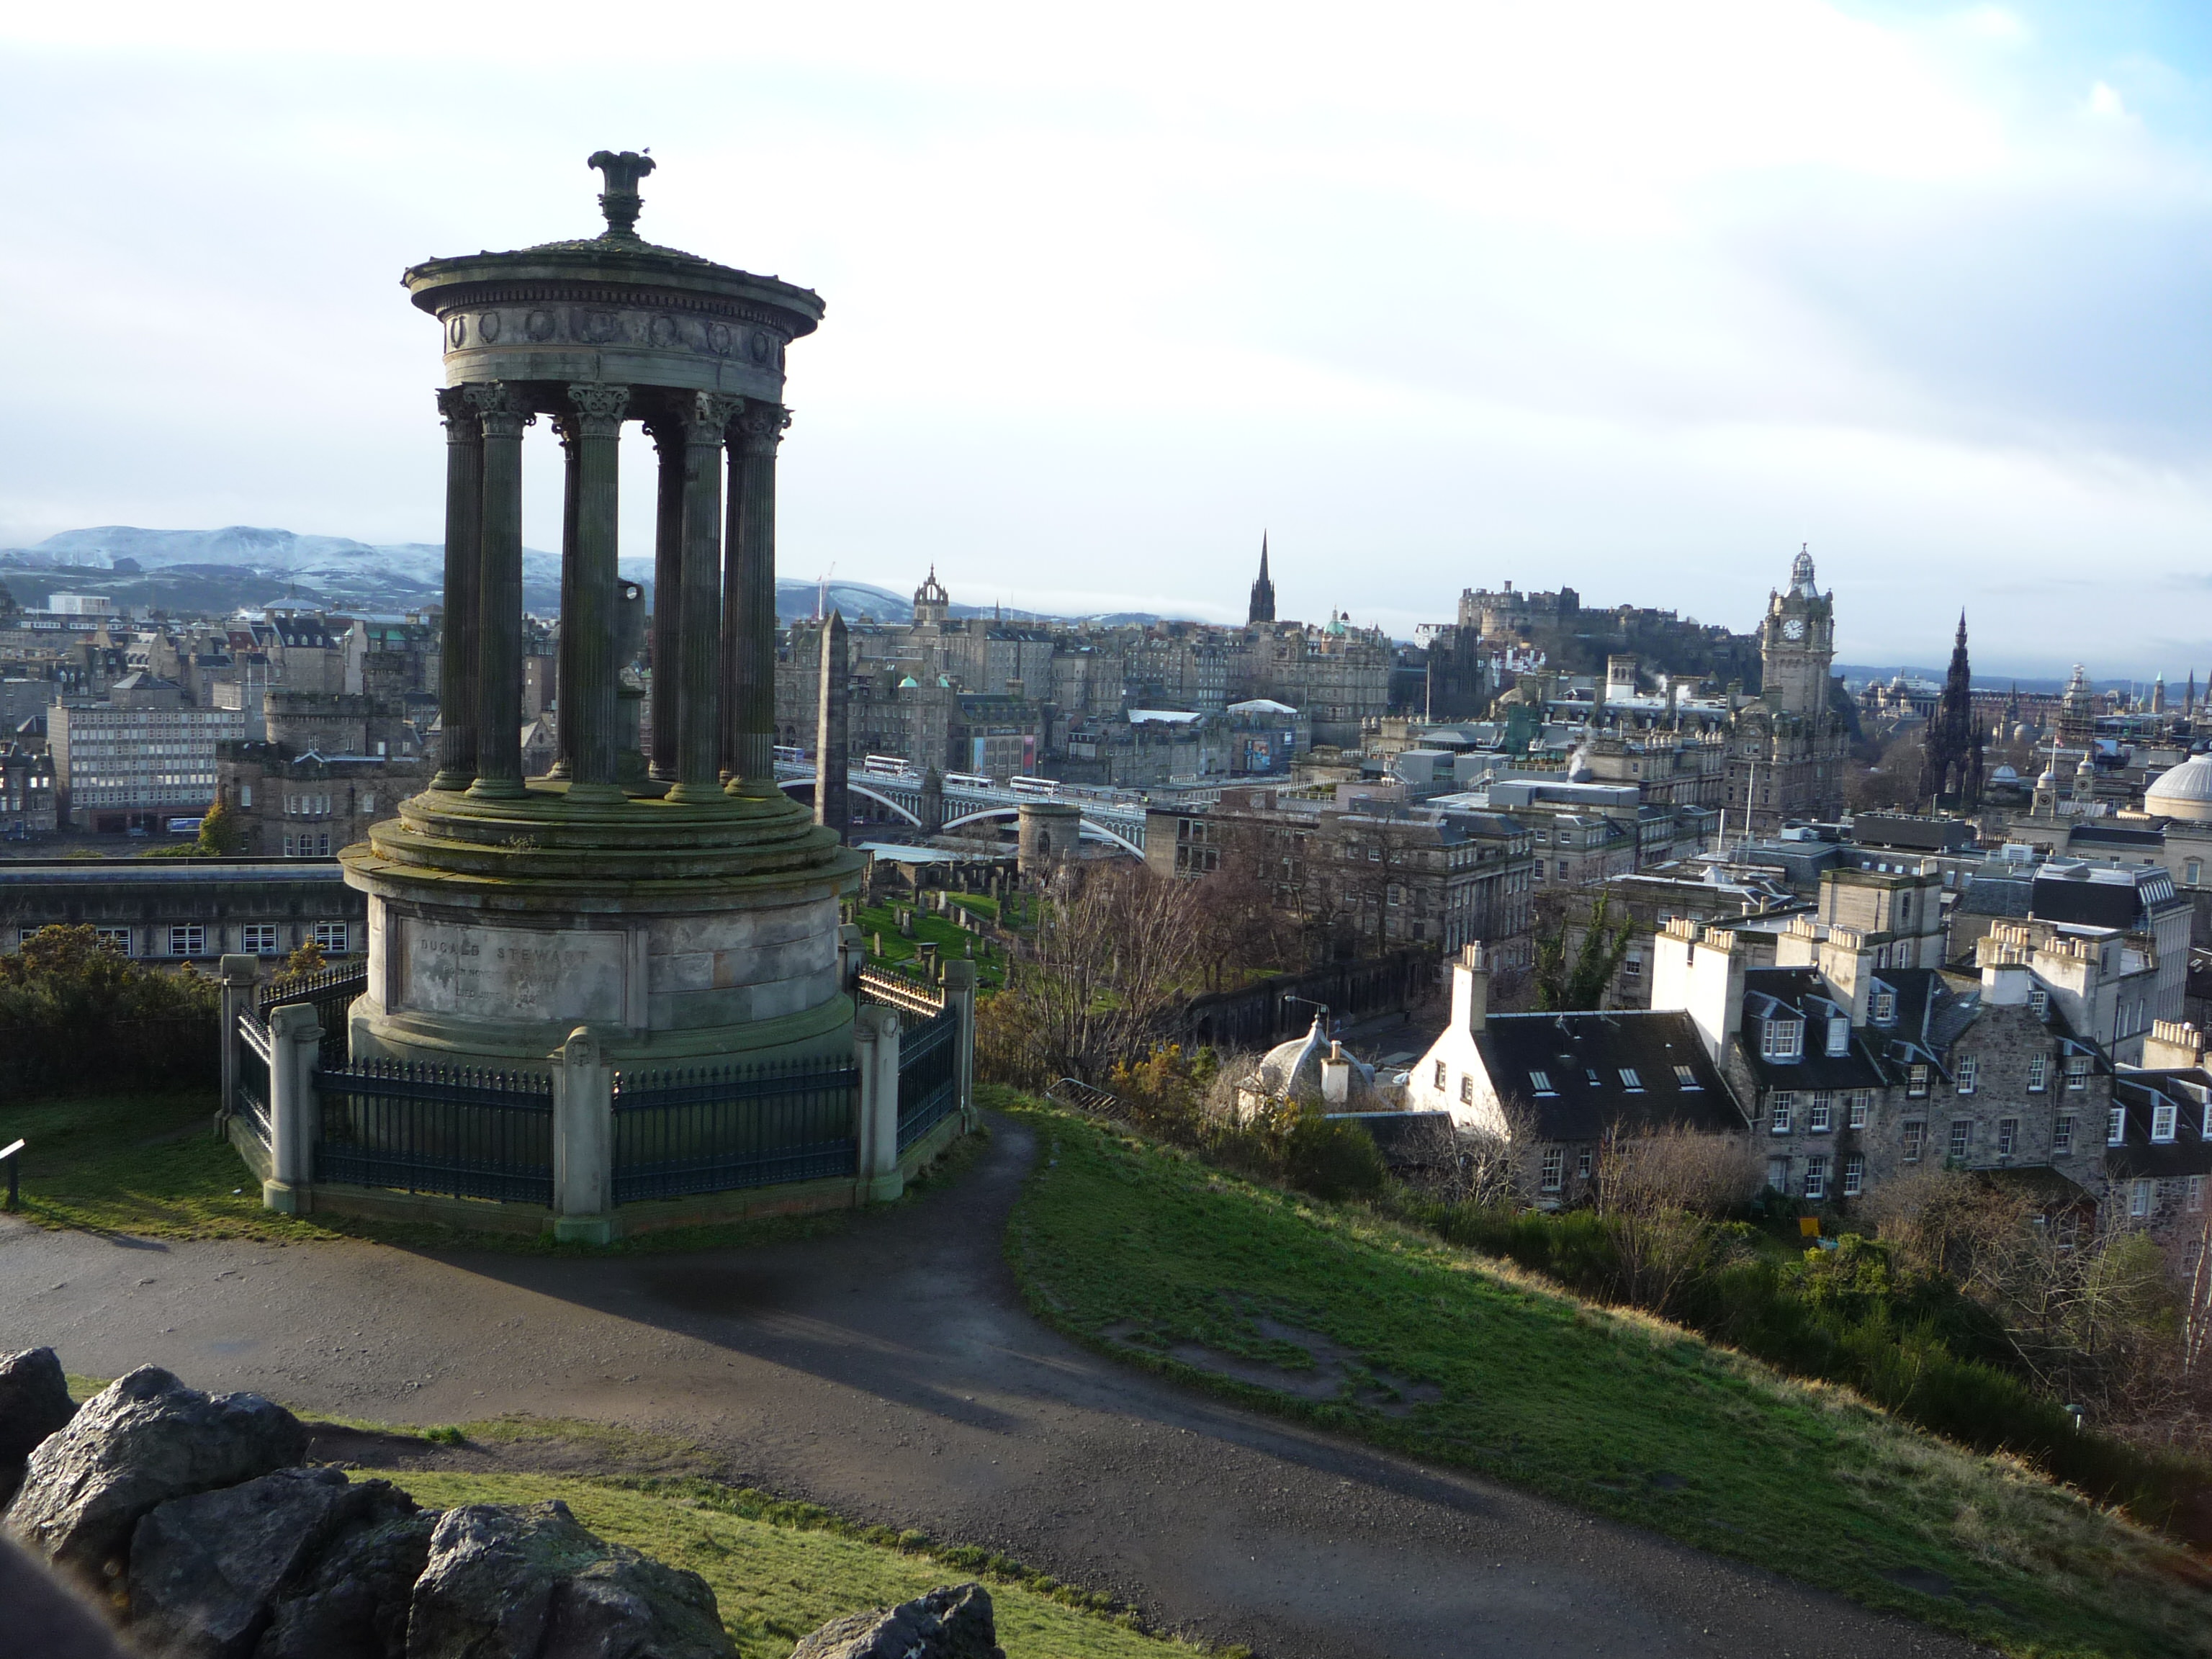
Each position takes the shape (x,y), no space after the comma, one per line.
(216,572)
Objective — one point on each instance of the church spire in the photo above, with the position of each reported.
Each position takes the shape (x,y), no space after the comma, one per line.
(1263,608)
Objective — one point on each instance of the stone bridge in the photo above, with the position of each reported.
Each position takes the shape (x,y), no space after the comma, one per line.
(1120,822)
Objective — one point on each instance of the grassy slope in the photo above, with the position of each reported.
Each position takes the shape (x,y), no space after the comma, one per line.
(139,1164)
(881,920)
(1586,1404)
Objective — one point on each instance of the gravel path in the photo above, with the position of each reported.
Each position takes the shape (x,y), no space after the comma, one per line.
(892,1373)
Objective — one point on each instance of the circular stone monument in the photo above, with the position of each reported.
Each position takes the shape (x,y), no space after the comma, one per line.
(679,904)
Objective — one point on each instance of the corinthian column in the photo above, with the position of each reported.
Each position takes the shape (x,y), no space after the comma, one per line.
(588,654)
(564,730)
(667,434)
(457,652)
(499,626)
(698,746)
(754,440)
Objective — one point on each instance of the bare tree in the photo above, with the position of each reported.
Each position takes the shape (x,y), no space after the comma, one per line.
(1482,1167)
(1113,947)
(1376,858)
(2085,1301)
(1662,1190)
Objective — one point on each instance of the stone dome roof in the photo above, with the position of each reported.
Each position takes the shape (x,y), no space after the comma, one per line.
(2185,792)
(1291,1071)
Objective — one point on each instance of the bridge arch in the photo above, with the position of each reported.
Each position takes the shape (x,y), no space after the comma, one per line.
(854,786)
(1099,830)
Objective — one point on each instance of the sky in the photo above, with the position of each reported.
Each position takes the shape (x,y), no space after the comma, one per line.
(1634,298)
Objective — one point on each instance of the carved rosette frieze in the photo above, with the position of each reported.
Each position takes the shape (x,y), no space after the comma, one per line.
(759,431)
(600,410)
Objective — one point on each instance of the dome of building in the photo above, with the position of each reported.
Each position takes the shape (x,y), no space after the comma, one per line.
(2184,792)
(1291,1071)
(2004,775)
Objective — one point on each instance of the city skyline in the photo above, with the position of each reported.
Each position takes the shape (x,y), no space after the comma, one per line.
(1633,305)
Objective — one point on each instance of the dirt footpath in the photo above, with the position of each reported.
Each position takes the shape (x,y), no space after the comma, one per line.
(892,1373)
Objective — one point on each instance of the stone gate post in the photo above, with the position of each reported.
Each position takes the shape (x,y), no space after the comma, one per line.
(960,993)
(238,976)
(296,1033)
(876,1053)
(583,1141)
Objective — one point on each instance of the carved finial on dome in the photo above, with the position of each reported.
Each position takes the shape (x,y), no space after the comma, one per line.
(620,201)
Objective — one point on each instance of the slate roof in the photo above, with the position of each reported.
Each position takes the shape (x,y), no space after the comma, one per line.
(1798,990)
(2104,894)
(1919,834)
(2008,895)
(1583,1055)
(2110,835)
(2137,1094)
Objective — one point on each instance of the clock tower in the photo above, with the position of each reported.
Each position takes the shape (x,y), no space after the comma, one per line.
(1787,752)
(1797,644)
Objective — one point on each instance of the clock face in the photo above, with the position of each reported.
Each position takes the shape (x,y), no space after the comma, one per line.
(1794,629)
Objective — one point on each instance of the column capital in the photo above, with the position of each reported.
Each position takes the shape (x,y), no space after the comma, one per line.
(459,414)
(502,409)
(600,410)
(759,431)
(707,415)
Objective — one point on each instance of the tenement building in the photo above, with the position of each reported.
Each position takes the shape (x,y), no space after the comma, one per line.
(184,909)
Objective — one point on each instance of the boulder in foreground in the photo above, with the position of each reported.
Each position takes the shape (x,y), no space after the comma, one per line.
(34,1402)
(144,1439)
(956,1622)
(532,1583)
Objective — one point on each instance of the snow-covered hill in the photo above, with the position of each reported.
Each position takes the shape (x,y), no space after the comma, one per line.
(214,572)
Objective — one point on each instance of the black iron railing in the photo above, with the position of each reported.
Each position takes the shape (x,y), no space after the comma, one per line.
(331,994)
(437,1129)
(916,1001)
(250,1099)
(929,1075)
(718,1129)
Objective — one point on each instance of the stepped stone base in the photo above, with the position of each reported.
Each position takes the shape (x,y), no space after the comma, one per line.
(682,933)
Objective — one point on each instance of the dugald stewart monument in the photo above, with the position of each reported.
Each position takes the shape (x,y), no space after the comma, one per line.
(678,904)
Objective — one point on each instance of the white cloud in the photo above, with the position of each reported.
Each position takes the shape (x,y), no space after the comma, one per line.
(1631,297)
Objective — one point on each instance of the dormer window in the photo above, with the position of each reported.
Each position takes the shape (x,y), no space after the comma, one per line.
(2077,1071)
(2039,1003)
(1782,1039)
(1839,1035)
(1915,1080)
(2116,1126)
(2161,1122)
(1885,1007)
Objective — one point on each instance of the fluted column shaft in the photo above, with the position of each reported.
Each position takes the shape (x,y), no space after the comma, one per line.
(564,729)
(499,586)
(458,694)
(589,655)
(699,645)
(754,440)
(667,434)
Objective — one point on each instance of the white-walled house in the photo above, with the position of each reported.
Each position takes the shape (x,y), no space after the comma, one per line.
(1556,1084)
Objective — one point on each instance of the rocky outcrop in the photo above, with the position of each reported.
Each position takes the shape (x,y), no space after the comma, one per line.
(141,1441)
(956,1622)
(355,1605)
(205,1571)
(34,1402)
(532,1584)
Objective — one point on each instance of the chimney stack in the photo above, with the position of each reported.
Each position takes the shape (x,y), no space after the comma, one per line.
(1470,990)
